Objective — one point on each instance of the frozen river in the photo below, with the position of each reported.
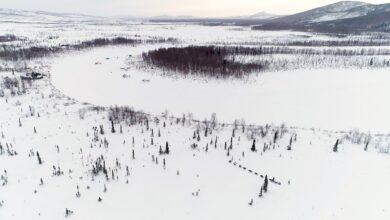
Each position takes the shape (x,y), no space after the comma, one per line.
(330,99)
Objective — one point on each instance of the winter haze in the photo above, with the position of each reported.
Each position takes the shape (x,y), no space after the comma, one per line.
(202,8)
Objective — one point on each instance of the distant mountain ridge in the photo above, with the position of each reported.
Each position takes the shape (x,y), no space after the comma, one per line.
(340,10)
(257,16)
(344,16)
(15,14)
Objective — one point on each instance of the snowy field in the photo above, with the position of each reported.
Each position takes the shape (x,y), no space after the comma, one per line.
(318,137)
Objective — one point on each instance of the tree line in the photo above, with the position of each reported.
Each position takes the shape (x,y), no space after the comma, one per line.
(14,53)
(8,38)
(271,50)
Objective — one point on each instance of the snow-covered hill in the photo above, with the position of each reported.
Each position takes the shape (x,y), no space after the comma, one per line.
(41,16)
(258,16)
(339,10)
(262,15)
(170,17)
(344,16)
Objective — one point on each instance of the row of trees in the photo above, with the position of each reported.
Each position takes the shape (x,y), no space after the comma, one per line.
(288,62)
(337,43)
(8,38)
(265,50)
(14,53)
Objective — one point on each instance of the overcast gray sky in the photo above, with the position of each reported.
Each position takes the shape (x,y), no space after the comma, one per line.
(210,8)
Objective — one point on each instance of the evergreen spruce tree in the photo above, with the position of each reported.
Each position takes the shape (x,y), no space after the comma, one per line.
(167,148)
(335,147)
(112,126)
(276,135)
(253,148)
(265,185)
(289,146)
(160,150)
(261,192)
(39,158)
(366,147)
(78,194)
(101,129)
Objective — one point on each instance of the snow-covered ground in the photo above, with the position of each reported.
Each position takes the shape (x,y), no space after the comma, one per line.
(323,184)
(210,172)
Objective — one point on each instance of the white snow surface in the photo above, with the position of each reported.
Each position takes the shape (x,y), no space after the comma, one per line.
(316,183)
(323,184)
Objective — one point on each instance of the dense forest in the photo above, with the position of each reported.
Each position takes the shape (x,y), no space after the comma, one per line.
(204,60)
